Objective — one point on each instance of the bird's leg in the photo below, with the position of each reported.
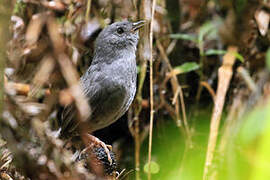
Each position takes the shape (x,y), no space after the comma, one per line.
(93,141)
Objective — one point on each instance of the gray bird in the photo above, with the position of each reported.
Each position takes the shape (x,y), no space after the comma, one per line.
(109,84)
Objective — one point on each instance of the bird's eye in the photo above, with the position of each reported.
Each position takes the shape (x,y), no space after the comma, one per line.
(120,30)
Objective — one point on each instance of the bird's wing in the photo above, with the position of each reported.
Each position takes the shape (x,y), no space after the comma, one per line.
(106,98)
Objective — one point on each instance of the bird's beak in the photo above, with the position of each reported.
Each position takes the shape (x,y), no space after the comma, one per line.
(137,25)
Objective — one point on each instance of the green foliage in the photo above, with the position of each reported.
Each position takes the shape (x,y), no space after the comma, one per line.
(186,67)
(261,167)
(204,30)
(247,155)
(169,148)
(239,5)
(19,7)
(246,136)
(182,36)
(239,57)
(207,30)
(211,52)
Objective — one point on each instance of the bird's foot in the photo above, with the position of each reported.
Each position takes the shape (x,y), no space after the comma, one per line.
(94,142)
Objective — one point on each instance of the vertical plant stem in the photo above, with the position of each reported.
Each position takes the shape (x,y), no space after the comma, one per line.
(4,19)
(136,119)
(175,85)
(143,10)
(137,147)
(151,88)
(2,66)
(224,77)
(184,115)
(88,10)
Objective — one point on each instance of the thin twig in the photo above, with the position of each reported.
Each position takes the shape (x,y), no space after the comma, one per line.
(249,81)
(67,69)
(209,89)
(175,96)
(44,71)
(23,89)
(151,89)
(175,84)
(143,47)
(184,115)
(224,77)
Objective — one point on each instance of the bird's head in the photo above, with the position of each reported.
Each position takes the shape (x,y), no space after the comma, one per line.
(119,36)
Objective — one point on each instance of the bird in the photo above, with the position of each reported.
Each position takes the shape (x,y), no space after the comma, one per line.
(109,84)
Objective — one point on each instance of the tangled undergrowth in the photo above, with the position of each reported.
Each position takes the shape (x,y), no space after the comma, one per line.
(206,55)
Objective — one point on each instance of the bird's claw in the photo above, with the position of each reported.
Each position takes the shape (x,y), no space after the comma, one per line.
(95,142)
(107,149)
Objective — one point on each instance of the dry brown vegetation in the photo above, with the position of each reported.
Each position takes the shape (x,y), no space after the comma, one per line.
(193,55)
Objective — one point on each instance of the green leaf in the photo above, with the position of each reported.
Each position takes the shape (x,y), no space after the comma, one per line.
(222,52)
(154,167)
(204,30)
(239,57)
(211,52)
(19,7)
(268,58)
(188,37)
(185,68)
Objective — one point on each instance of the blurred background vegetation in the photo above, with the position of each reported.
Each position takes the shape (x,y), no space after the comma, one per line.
(211,64)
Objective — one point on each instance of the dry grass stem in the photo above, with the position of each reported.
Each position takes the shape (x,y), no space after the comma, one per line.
(45,69)
(143,57)
(233,116)
(47,45)
(88,9)
(34,28)
(224,77)
(245,75)
(185,116)
(175,84)
(68,70)
(151,88)
(209,89)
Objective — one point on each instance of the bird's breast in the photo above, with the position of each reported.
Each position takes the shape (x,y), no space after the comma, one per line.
(124,74)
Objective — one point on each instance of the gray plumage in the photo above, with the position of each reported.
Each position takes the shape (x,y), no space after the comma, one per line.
(109,84)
